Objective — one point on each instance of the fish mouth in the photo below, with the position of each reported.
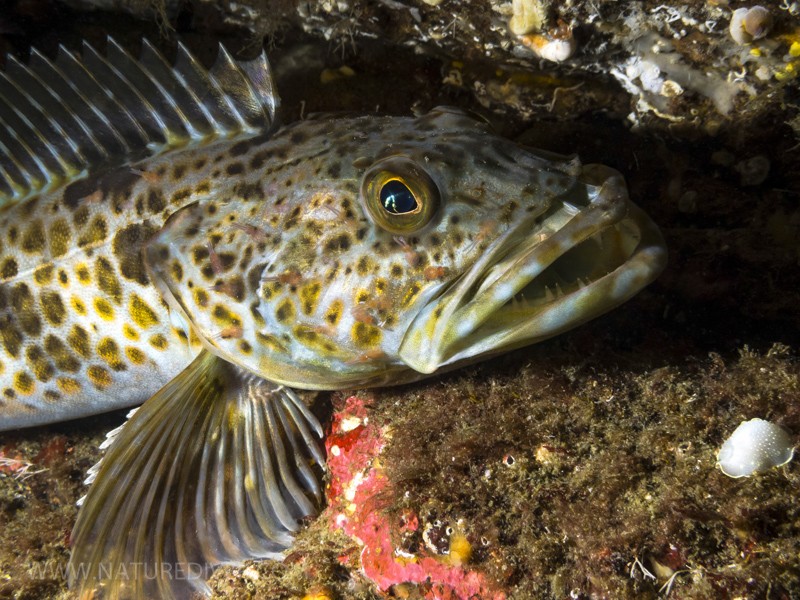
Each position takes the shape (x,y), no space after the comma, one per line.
(544,275)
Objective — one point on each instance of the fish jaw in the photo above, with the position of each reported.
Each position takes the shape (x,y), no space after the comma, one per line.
(541,277)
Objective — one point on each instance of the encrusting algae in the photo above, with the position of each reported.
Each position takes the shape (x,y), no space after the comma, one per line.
(171,245)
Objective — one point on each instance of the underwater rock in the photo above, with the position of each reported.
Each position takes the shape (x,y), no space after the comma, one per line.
(754,447)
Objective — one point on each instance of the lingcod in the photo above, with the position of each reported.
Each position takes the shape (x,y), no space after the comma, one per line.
(163,242)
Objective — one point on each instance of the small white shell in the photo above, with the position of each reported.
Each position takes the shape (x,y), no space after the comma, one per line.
(750,24)
(755,446)
(558,50)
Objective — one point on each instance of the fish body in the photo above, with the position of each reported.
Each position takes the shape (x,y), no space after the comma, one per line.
(269,256)
(211,275)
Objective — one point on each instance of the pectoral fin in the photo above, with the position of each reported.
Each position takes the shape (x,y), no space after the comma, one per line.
(219,466)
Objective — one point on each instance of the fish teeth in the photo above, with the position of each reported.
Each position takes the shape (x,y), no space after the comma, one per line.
(548,294)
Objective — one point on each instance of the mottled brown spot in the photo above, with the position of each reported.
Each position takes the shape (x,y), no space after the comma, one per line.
(84,276)
(199,254)
(61,355)
(9,269)
(39,364)
(141,313)
(53,307)
(364,265)
(257,318)
(107,280)
(223,316)
(78,340)
(248,191)
(259,158)
(339,243)
(155,201)
(80,216)
(298,137)
(233,169)
(24,383)
(59,238)
(104,309)
(43,274)
(127,248)
(177,271)
(158,341)
(334,312)
(10,335)
(201,298)
(52,396)
(309,297)
(240,148)
(68,385)
(202,188)
(78,306)
(365,335)
(34,240)
(181,196)
(99,376)
(22,302)
(94,234)
(108,350)
(285,311)
(135,355)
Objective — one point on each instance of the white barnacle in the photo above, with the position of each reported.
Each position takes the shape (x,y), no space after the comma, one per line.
(754,447)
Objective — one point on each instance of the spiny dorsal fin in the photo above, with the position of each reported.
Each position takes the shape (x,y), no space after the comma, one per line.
(61,119)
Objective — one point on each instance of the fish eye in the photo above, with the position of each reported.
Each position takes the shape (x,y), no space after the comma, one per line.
(397,199)
(399,195)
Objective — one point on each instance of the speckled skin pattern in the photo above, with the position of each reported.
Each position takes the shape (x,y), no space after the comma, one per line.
(264,246)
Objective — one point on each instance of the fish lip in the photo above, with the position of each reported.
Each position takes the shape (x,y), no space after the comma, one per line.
(474,318)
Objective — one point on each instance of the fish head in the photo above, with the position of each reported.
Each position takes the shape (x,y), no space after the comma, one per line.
(381,249)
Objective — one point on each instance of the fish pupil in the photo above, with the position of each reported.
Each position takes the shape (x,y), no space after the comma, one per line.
(397,199)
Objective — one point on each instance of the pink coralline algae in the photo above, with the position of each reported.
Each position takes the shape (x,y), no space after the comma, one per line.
(357,493)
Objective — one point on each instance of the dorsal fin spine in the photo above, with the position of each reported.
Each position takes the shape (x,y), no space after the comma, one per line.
(225,65)
(62,119)
(73,67)
(27,174)
(36,111)
(34,74)
(93,59)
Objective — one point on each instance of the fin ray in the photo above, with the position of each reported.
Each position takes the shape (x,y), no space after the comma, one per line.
(212,469)
(64,118)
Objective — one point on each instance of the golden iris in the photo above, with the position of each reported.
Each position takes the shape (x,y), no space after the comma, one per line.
(399,195)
